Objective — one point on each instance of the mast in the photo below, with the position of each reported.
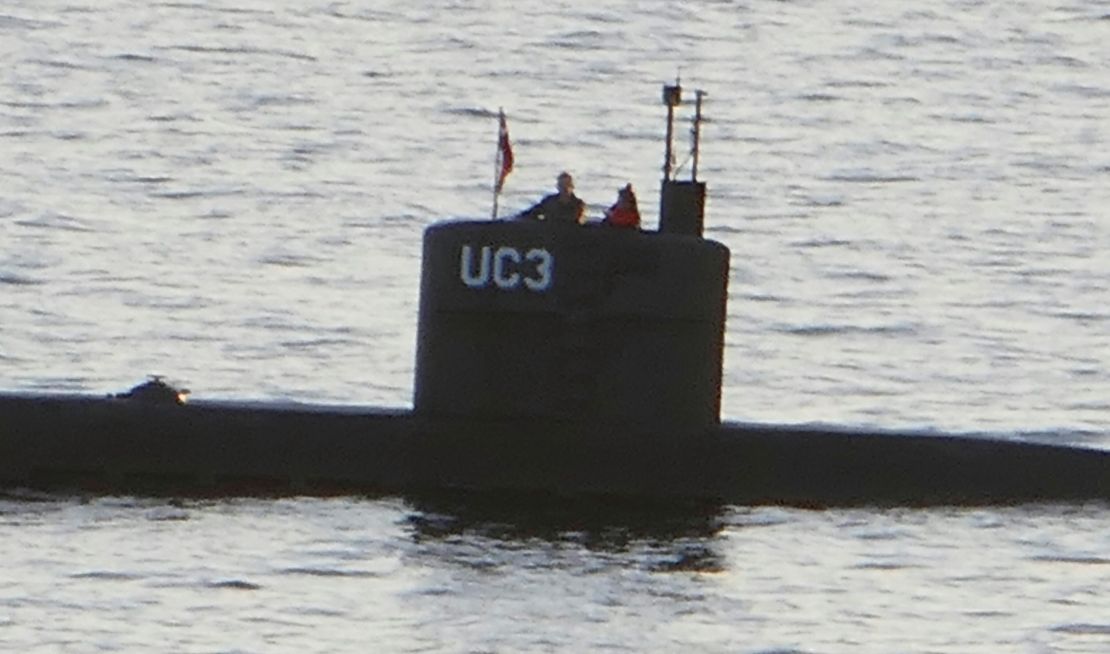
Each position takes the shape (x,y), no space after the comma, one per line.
(672,97)
(698,96)
(681,202)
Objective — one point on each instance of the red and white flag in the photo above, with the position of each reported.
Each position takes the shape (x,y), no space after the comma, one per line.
(504,152)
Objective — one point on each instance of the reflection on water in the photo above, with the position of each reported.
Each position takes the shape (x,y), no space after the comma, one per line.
(678,536)
(539,573)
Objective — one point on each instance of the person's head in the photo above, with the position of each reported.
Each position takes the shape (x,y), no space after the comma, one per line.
(565,183)
(626,197)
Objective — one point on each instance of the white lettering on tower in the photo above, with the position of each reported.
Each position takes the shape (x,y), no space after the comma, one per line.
(506,268)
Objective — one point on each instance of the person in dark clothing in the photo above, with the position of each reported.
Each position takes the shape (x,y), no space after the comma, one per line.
(562,207)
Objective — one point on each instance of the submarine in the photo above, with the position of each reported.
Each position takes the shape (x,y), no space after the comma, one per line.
(555,359)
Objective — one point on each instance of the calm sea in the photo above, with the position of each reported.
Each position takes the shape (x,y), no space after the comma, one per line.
(232,194)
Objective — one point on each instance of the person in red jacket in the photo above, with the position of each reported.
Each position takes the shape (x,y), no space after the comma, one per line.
(625,212)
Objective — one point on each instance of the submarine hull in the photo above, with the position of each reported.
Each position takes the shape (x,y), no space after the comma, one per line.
(117,446)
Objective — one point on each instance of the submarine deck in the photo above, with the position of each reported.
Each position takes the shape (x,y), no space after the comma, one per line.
(118,446)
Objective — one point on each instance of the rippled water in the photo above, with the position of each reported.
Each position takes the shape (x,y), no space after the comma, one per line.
(357,575)
(232,194)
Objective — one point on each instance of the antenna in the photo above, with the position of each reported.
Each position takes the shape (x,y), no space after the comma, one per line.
(681,202)
(672,97)
(698,96)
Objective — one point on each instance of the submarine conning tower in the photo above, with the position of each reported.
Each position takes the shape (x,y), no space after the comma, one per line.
(537,320)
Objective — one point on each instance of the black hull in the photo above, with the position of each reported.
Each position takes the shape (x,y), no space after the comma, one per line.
(116,446)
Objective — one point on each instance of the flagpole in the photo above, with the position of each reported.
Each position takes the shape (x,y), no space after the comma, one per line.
(503,160)
(497,163)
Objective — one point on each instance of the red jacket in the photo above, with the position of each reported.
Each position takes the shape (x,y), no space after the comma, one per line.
(622,217)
